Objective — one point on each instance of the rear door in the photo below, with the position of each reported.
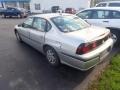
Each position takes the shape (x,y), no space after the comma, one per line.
(97,17)
(9,12)
(115,19)
(100,18)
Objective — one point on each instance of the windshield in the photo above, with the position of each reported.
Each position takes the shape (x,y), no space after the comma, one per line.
(69,23)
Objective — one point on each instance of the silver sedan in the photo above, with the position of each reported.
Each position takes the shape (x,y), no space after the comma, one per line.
(66,39)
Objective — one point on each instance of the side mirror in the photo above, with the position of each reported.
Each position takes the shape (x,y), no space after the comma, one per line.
(21,25)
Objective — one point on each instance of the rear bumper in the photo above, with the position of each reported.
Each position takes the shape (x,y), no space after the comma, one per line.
(89,60)
(82,65)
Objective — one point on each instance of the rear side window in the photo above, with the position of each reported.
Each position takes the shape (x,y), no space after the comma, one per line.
(115,15)
(101,5)
(114,4)
(101,14)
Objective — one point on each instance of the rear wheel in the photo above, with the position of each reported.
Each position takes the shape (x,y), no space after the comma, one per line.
(52,56)
(117,33)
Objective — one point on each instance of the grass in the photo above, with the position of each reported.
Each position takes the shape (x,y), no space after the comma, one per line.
(110,78)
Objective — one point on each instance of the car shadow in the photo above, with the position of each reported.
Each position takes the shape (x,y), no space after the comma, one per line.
(36,72)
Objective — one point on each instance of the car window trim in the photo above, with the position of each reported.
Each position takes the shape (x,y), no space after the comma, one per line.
(29,26)
(100,10)
(112,15)
(93,10)
(45,25)
(85,11)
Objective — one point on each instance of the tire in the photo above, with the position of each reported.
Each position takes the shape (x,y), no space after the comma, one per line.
(52,57)
(18,37)
(117,33)
(3,15)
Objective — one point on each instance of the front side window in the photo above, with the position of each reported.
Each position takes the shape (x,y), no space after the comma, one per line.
(28,23)
(101,14)
(39,24)
(101,5)
(85,14)
(114,4)
(69,23)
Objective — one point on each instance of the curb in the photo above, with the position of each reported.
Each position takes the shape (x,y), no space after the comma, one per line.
(95,73)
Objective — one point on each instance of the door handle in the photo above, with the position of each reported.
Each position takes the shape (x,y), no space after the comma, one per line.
(106,21)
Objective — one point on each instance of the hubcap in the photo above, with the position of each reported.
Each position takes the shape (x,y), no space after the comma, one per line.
(50,56)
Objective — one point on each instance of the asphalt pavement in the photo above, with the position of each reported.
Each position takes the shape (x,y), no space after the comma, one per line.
(24,68)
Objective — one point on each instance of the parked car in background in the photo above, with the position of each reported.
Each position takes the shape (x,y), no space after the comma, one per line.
(70,10)
(11,12)
(1,10)
(109,4)
(108,17)
(55,9)
(66,39)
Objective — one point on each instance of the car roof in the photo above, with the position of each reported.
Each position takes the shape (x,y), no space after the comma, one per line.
(50,15)
(110,2)
(104,8)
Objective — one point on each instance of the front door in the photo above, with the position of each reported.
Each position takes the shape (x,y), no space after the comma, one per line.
(100,18)
(25,28)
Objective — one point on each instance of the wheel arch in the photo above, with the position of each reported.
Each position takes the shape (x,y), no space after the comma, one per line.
(47,45)
(15,30)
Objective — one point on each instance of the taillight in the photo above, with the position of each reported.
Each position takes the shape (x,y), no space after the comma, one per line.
(86,47)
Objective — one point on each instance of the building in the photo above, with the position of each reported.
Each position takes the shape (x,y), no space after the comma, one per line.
(15,3)
(38,6)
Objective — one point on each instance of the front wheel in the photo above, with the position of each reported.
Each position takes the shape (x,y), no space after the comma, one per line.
(52,56)
(3,15)
(18,36)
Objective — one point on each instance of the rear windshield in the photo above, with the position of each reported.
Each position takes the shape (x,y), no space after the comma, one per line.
(69,23)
